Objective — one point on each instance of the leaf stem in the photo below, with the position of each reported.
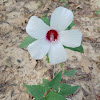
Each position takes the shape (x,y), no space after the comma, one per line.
(54,67)
(54,71)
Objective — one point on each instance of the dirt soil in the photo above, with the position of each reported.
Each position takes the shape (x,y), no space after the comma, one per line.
(17,66)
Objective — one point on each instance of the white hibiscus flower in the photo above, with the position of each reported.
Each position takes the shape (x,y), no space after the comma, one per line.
(50,39)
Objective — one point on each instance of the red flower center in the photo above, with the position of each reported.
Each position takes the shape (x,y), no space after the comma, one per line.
(52,35)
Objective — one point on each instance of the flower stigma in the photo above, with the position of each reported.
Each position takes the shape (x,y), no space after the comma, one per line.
(52,35)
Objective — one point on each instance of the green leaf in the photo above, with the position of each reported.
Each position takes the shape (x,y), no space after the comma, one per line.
(70,26)
(64,4)
(69,73)
(47,59)
(78,49)
(39,99)
(55,73)
(46,15)
(61,65)
(40,84)
(97,12)
(28,40)
(37,91)
(63,0)
(46,20)
(64,86)
(46,84)
(54,96)
(67,89)
(56,81)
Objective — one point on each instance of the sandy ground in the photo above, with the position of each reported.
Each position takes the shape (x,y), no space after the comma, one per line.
(17,66)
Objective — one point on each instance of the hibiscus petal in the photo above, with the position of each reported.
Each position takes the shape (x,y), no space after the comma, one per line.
(39,49)
(57,53)
(61,18)
(36,28)
(71,38)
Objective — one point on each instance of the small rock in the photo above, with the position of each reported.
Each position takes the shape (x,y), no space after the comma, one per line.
(19,61)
